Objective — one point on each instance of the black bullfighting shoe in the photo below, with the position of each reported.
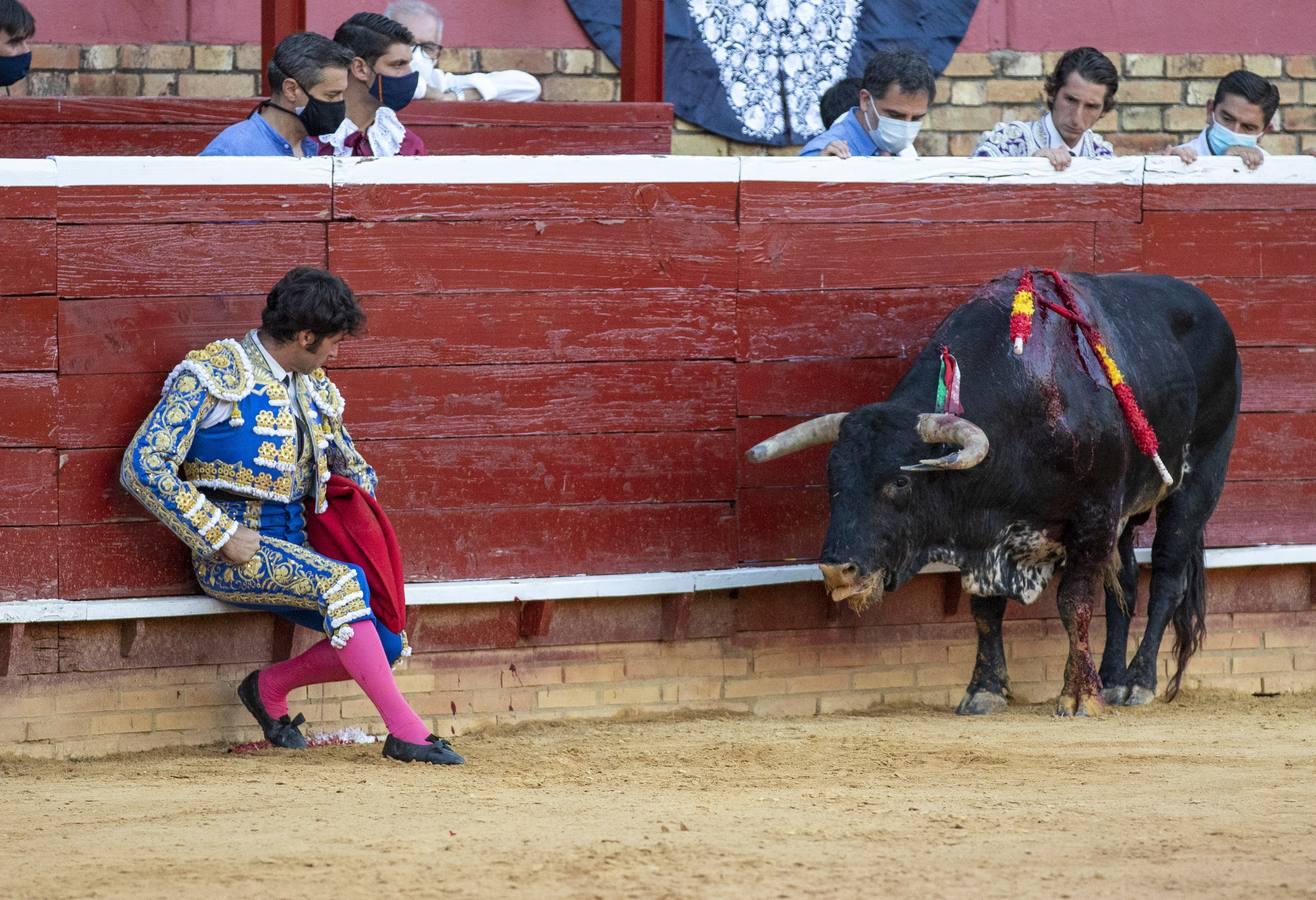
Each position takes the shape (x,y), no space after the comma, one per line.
(435,750)
(281,732)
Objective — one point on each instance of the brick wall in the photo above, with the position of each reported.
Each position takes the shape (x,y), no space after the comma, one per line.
(849,666)
(1162,97)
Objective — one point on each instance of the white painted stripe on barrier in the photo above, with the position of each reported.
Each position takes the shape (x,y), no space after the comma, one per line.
(575,587)
(27,173)
(1230,170)
(87,171)
(939,170)
(475,170)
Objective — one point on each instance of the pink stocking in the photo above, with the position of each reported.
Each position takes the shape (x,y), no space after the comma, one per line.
(317,665)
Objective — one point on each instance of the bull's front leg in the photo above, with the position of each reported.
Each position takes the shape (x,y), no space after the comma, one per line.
(990,686)
(1081,695)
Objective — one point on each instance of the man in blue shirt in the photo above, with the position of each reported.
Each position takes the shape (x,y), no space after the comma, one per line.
(898,87)
(308,74)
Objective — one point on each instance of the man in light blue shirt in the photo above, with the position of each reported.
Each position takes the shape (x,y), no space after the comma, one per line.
(308,74)
(898,87)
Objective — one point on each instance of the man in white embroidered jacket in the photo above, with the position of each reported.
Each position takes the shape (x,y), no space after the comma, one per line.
(246,432)
(1079,91)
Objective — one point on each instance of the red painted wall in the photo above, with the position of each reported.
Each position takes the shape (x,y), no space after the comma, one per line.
(564,380)
(1204,26)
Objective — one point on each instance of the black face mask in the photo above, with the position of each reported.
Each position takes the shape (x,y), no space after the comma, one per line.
(13,69)
(322,117)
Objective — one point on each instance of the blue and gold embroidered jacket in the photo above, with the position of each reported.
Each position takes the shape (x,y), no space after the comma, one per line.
(252,454)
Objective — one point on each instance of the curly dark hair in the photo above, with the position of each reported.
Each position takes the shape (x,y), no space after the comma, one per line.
(16,21)
(369,35)
(309,299)
(1091,65)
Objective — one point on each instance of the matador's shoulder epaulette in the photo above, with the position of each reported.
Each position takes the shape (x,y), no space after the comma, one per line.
(325,396)
(222,367)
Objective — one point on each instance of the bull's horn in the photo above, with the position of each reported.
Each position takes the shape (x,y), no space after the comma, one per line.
(938,428)
(822,430)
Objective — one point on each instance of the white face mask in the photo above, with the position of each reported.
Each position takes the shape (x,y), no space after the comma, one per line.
(893,135)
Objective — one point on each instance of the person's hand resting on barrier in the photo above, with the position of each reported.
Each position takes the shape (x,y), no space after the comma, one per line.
(1060,158)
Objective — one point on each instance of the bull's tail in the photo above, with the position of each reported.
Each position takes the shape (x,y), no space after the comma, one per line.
(1189,616)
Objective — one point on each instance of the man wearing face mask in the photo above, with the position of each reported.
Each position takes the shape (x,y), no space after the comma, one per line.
(380,83)
(1236,119)
(308,78)
(16,28)
(1079,91)
(898,87)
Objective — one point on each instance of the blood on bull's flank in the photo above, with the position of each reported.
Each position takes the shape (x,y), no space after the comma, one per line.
(1047,418)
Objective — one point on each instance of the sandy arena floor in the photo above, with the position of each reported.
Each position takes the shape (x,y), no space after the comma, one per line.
(1214,796)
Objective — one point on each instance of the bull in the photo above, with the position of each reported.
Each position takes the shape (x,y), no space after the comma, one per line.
(1040,474)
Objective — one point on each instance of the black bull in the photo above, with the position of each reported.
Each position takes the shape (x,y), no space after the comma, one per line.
(1041,473)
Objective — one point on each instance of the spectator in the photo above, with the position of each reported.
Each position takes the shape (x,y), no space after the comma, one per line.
(379,84)
(424,21)
(1079,91)
(838,99)
(1236,119)
(308,80)
(898,87)
(16,28)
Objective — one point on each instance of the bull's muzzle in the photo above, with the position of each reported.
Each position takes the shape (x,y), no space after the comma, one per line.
(844,582)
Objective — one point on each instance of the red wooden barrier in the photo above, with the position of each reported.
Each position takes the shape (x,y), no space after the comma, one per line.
(34,127)
(566,360)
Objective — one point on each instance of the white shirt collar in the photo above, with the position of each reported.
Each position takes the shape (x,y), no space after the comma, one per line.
(278,371)
(1055,140)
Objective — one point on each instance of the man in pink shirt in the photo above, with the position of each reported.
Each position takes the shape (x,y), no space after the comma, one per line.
(379,84)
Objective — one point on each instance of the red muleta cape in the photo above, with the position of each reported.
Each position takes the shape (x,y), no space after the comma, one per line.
(355,530)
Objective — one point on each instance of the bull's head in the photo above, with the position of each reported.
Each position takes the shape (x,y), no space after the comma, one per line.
(872,480)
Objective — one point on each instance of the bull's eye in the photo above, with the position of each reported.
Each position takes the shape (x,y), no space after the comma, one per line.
(897,489)
(901,482)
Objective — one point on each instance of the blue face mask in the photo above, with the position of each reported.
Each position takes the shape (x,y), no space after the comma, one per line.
(394,91)
(13,69)
(1221,138)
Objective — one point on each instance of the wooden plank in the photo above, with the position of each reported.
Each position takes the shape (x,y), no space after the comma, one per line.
(542,541)
(38,141)
(1273,446)
(1237,244)
(1266,311)
(809,256)
(808,467)
(1279,380)
(27,265)
(1264,512)
(570,398)
(27,201)
(452,402)
(81,111)
(151,334)
(31,342)
(89,491)
(131,559)
(781,524)
(852,203)
(814,386)
(128,335)
(30,495)
(513,140)
(29,563)
(28,409)
(558,470)
(160,203)
(700,201)
(238,640)
(165,260)
(585,116)
(548,255)
(795,324)
(1244,197)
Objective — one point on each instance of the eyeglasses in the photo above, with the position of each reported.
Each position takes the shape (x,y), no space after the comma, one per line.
(431,49)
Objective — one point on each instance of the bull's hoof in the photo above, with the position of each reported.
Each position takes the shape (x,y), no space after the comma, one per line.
(1116,694)
(981,703)
(1068,707)
(1140,696)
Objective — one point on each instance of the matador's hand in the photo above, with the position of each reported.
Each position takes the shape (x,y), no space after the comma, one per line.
(241,547)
